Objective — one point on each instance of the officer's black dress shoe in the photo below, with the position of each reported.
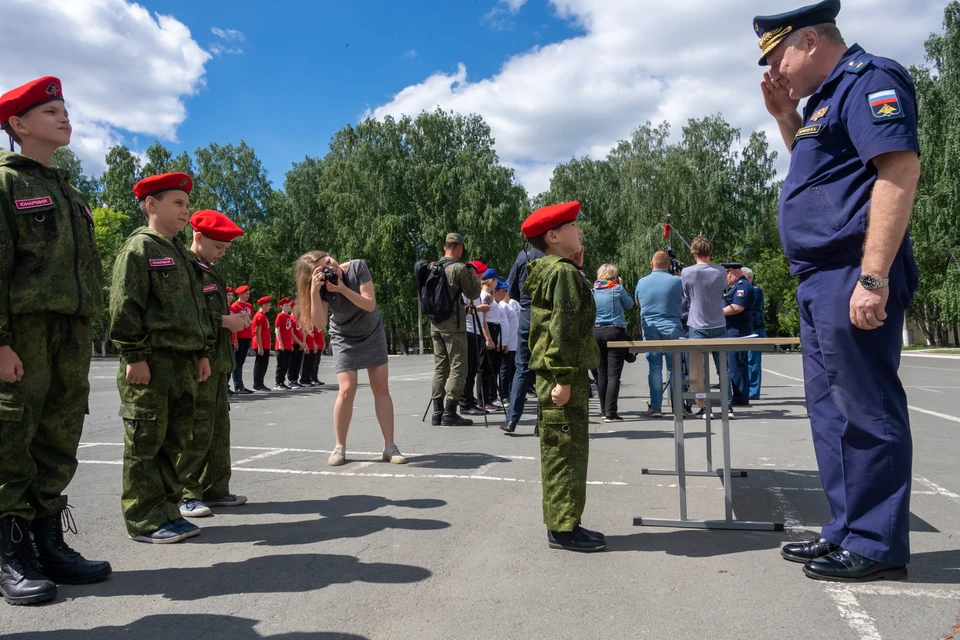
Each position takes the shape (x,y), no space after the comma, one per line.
(510,426)
(846,566)
(244,391)
(807,551)
(576,540)
(596,535)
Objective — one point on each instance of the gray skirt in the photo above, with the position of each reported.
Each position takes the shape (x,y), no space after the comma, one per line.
(354,354)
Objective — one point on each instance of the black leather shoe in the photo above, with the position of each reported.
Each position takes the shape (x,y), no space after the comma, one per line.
(596,535)
(58,561)
(807,551)
(437,412)
(846,566)
(510,426)
(472,410)
(21,581)
(575,540)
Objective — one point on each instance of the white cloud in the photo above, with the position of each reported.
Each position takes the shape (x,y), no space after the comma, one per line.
(411,53)
(228,34)
(639,61)
(513,5)
(229,38)
(122,68)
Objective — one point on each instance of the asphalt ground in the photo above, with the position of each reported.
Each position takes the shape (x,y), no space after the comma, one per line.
(452,545)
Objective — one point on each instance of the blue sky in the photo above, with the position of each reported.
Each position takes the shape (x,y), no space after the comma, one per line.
(307,71)
(554,79)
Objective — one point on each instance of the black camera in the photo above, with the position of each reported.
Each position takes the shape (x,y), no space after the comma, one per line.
(329,275)
(675,265)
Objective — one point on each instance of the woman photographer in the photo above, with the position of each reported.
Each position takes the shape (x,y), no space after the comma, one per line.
(612,301)
(344,292)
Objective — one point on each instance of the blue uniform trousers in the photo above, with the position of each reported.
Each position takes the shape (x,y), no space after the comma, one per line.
(523,377)
(858,410)
(753,366)
(737,369)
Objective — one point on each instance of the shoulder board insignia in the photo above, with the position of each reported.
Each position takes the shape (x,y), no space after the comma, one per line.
(858,65)
(161,262)
(210,288)
(33,203)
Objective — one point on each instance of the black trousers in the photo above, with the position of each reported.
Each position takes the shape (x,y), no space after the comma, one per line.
(296,362)
(474,344)
(610,369)
(306,371)
(243,347)
(315,372)
(491,366)
(283,363)
(260,363)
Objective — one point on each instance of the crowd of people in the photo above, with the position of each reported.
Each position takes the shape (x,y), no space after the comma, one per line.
(844,211)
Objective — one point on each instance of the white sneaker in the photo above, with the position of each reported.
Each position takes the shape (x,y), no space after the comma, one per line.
(190,508)
(338,457)
(392,455)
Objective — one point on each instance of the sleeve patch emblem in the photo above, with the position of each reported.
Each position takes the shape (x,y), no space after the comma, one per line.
(885,105)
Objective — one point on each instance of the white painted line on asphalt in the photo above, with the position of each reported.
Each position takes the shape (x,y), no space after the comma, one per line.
(938,489)
(934,413)
(430,476)
(945,356)
(260,456)
(926,389)
(883,590)
(783,375)
(915,366)
(101,461)
(791,517)
(850,610)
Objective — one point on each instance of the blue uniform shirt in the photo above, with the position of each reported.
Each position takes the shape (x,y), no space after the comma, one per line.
(741,293)
(866,107)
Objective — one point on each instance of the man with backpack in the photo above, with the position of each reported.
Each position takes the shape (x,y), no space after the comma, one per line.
(440,285)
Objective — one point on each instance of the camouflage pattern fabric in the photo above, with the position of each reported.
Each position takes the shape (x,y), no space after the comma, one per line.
(450,363)
(41,417)
(562,351)
(214,290)
(204,467)
(158,425)
(48,253)
(156,301)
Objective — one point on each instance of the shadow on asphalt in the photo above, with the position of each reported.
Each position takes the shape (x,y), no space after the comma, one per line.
(694,543)
(337,506)
(454,461)
(164,625)
(295,573)
(312,531)
(642,435)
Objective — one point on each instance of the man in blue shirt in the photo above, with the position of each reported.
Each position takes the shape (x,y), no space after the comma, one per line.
(523,377)
(738,304)
(855,151)
(660,298)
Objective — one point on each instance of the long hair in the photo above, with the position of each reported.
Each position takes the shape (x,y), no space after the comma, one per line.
(303,279)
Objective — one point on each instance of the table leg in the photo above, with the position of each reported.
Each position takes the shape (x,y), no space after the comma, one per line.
(678,437)
(725,422)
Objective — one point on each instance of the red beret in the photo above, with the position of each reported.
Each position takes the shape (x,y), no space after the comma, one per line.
(542,220)
(263,300)
(242,289)
(229,289)
(284,301)
(479,266)
(164,182)
(17,102)
(215,226)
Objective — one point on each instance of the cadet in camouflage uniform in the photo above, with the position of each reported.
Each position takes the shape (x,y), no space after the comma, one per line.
(450,337)
(50,288)
(562,351)
(204,467)
(159,323)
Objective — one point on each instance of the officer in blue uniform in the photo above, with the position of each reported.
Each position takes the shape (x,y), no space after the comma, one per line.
(854,150)
(754,360)
(738,304)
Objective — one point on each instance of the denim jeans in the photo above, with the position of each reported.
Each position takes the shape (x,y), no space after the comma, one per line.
(523,377)
(655,363)
(710,334)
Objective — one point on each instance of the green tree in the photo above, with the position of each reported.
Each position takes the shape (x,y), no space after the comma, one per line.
(64,158)
(109,227)
(123,171)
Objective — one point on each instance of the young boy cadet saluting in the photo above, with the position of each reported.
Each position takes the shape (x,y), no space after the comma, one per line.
(160,326)
(50,287)
(562,351)
(204,466)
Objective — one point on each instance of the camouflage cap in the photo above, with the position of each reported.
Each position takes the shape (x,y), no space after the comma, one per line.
(454,238)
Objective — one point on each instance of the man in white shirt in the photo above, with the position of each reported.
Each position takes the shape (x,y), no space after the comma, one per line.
(510,326)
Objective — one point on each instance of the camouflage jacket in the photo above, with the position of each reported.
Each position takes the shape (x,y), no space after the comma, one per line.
(156,300)
(215,296)
(562,315)
(48,250)
(459,280)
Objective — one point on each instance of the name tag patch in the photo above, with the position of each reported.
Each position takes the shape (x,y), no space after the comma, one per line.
(210,288)
(885,105)
(812,130)
(161,262)
(33,203)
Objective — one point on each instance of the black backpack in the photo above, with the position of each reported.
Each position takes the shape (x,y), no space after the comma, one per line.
(432,289)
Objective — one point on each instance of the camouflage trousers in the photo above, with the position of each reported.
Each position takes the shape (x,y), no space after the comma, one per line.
(41,417)
(158,426)
(204,466)
(450,363)
(564,451)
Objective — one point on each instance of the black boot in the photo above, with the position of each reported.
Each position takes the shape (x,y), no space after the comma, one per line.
(21,581)
(437,412)
(576,540)
(58,561)
(451,418)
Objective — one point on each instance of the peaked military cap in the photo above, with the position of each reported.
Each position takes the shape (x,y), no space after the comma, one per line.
(772,30)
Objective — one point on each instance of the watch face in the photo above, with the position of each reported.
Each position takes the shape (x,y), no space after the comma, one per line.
(870,282)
